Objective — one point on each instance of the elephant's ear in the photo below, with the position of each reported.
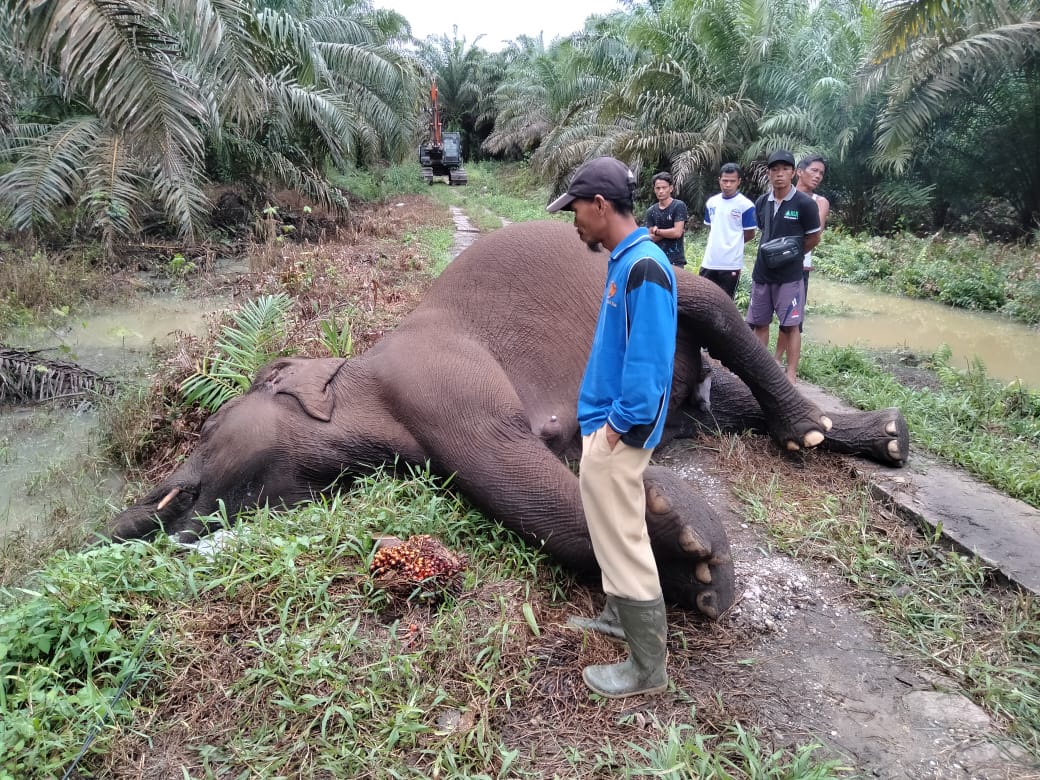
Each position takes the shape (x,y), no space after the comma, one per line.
(306,380)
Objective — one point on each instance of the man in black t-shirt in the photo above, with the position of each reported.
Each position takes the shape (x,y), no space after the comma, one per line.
(781,212)
(666,221)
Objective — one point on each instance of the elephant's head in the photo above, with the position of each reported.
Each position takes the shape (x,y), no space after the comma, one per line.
(248,454)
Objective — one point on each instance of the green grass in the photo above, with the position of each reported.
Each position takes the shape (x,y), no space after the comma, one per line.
(963,271)
(40,287)
(496,192)
(990,429)
(379,183)
(437,244)
(279,657)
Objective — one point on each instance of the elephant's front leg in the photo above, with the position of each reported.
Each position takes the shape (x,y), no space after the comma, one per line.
(707,317)
(881,435)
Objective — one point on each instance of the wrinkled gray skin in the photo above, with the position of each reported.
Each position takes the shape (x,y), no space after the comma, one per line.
(481,381)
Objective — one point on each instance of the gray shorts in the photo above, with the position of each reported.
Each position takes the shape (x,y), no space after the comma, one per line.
(786,301)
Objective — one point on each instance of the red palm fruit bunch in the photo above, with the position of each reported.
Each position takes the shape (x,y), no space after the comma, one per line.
(415,560)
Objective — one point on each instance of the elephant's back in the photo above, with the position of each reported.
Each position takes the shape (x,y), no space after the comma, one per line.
(529,296)
(526,274)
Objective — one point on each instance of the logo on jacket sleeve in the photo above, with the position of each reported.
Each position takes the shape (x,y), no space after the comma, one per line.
(612,289)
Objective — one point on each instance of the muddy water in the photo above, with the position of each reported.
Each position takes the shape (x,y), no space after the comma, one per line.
(114,340)
(50,457)
(1008,350)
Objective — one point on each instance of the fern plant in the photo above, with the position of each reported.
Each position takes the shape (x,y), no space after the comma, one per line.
(243,347)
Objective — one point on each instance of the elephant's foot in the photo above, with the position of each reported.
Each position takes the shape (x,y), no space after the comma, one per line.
(690,545)
(796,423)
(882,435)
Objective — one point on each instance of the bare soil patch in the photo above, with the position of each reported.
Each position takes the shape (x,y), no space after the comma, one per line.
(810,664)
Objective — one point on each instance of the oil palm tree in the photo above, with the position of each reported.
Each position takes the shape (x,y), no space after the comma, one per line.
(589,118)
(112,108)
(538,86)
(936,62)
(931,54)
(683,85)
(135,103)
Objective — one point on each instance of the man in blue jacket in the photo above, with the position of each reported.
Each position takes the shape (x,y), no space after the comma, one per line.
(622,406)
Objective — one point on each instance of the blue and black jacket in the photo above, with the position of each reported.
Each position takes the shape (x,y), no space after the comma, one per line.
(628,378)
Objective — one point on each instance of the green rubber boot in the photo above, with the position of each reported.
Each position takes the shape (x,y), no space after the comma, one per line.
(607,622)
(644,670)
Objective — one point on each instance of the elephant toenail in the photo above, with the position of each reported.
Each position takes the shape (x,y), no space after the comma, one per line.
(703,573)
(657,503)
(893,450)
(892,429)
(691,543)
(813,438)
(706,604)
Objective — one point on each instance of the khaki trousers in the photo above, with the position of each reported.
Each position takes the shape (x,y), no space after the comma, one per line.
(614,500)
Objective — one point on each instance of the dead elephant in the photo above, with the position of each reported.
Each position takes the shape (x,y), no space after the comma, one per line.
(481,382)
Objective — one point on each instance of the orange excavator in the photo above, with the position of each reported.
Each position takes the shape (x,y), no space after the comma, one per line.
(441,155)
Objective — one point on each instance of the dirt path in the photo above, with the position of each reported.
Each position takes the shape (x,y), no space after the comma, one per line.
(829,675)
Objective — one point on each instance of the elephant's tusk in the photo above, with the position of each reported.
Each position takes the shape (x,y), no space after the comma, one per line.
(169,497)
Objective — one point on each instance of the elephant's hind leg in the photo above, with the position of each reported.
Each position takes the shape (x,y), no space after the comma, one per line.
(534,494)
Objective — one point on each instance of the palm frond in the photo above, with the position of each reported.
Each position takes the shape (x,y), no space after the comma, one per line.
(48,172)
(281,170)
(252,340)
(113,192)
(175,182)
(118,56)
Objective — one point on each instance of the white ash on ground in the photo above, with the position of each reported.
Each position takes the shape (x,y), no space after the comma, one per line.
(771,587)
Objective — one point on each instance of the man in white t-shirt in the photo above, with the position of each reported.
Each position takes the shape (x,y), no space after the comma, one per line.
(731,219)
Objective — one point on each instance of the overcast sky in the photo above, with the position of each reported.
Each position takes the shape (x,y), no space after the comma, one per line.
(498,21)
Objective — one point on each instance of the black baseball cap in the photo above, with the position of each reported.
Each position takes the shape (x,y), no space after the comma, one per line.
(780,156)
(601,176)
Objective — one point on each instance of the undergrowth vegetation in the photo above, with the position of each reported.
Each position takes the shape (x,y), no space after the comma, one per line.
(963,271)
(279,657)
(253,338)
(39,286)
(989,428)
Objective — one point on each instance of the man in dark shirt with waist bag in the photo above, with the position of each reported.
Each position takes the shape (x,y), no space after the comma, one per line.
(782,212)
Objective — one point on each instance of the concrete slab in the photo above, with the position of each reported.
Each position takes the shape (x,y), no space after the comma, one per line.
(1002,531)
